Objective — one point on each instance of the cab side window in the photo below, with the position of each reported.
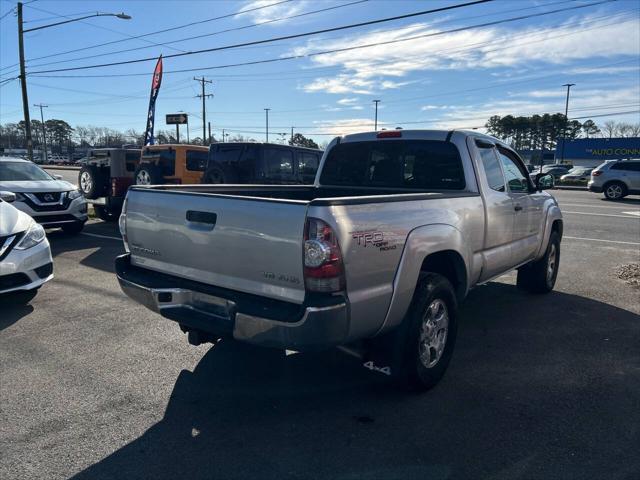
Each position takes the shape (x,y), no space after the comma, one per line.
(516,179)
(492,169)
(308,166)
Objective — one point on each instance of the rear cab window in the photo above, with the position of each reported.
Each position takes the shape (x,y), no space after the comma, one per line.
(196,160)
(308,165)
(278,164)
(416,165)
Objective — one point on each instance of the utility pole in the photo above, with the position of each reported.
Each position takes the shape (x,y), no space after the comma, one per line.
(204,112)
(23,84)
(291,141)
(223,135)
(375,128)
(566,120)
(44,135)
(266,110)
(209,133)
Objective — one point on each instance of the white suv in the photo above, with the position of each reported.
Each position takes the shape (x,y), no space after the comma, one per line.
(616,179)
(25,256)
(50,201)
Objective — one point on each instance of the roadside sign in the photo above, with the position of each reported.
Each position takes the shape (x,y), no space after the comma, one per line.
(177,119)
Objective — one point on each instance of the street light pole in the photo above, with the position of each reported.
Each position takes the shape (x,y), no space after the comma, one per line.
(566,120)
(23,75)
(44,134)
(266,110)
(23,85)
(375,128)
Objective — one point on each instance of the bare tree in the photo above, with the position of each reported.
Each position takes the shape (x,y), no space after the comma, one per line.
(609,128)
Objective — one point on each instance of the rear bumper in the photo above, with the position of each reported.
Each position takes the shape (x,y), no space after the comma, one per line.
(198,307)
(594,188)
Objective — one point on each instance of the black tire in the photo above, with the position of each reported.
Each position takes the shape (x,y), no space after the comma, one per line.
(614,190)
(104,214)
(536,277)
(214,176)
(148,174)
(91,181)
(73,228)
(414,370)
(20,297)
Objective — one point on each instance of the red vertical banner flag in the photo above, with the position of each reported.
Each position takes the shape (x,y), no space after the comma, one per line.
(155,88)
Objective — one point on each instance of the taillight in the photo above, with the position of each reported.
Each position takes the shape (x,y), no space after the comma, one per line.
(596,173)
(122,225)
(323,267)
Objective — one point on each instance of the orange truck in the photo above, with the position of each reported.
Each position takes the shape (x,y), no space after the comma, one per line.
(171,163)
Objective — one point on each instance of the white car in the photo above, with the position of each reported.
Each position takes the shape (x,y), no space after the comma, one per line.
(48,200)
(25,256)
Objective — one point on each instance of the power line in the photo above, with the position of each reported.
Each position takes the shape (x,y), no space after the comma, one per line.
(240,12)
(288,37)
(243,27)
(300,56)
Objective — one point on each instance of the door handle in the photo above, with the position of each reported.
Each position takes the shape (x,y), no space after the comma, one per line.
(202,217)
(517,208)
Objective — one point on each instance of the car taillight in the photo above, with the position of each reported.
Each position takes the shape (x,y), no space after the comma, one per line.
(596,173)
(122,225)
(323,267)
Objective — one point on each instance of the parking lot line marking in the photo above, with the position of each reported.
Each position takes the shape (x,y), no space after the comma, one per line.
(101,236)
(635,212)
(600,214)
(600,240)
(586,205)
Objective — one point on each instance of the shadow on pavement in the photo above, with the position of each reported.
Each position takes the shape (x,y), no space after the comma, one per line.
(538,385)
(10,314)
(626,200)
(106,249)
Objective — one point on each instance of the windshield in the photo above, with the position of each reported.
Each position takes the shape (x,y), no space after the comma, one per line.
(410,164)
(22,171)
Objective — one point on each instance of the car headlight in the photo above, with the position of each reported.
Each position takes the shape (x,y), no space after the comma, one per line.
(34,236)
(73,194)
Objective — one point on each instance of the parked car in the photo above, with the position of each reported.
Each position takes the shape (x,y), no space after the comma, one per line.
(376,254)
(616,179)
(104,178)
(50,201)
(25,256)
(556,170)
(162,164)
(576,176)
(261,163)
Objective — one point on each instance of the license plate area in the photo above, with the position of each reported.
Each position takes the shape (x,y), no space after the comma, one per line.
(198,301)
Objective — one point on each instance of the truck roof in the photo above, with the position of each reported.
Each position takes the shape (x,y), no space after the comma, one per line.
(415,134)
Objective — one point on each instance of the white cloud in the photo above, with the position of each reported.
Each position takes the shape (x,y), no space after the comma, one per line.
(348,101)
(347,126)
(608,70)
(378,67)
(271,13)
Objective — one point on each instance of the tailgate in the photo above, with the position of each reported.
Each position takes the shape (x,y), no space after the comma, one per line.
(249,245)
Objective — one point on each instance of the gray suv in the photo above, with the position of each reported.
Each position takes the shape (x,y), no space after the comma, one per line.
(616,179)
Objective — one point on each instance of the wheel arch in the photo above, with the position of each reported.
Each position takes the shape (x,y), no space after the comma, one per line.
(438,248)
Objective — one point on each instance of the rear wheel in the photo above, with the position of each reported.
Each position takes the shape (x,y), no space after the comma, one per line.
(215,175)
(428,334)
(540,276)
(614,190)
(91,181)
(148,175)
(104,214)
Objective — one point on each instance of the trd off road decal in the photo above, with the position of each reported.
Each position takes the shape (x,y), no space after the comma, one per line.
(372,239)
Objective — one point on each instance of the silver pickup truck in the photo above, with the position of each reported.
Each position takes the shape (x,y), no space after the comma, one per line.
(377,254)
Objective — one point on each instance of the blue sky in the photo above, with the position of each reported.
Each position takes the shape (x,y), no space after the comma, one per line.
(454,79)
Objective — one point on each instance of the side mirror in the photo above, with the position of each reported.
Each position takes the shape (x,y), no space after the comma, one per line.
(57,177)
(544,181)
(8,197)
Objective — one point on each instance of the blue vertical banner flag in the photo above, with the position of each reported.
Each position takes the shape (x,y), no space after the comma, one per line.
(155,88)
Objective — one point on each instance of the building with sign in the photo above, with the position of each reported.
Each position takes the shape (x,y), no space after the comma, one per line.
(591,152)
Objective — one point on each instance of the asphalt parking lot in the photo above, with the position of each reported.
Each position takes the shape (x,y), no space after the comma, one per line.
(94,386)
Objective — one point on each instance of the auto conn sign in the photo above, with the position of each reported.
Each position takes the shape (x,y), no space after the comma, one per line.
(601,148)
